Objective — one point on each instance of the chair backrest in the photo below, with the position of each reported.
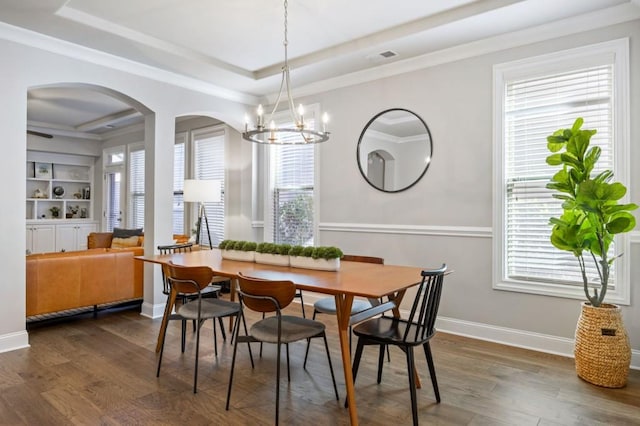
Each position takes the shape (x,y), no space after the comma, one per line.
(425,306)
(175,248)
(169,249)
(364,259)
(265,295)
(187,279)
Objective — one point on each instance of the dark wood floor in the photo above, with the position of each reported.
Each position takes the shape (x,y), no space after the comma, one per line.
(91,371)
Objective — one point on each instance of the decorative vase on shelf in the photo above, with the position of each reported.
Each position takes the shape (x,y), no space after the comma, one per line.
(602,349)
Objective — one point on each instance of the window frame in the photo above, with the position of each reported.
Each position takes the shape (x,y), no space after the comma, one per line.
(129,216)
(311,111)
(616,52)
(204,133)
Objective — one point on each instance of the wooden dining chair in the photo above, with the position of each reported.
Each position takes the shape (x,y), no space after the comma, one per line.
(212,290)
(192,280)
(266,296)
(416,330)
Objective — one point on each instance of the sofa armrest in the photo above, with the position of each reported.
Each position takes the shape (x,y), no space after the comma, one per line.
(99,240)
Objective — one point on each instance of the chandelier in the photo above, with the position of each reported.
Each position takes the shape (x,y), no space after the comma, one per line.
(299,132)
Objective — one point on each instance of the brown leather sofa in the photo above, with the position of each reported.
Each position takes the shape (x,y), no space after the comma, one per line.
(78,279)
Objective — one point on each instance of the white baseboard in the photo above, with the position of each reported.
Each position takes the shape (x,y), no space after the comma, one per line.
(152,311)
(506,336)
(13,341)
(518,338)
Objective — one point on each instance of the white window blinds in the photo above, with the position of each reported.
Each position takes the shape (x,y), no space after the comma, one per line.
(293,186)
(209,164)
(178,186)
(136,188)
(534,109)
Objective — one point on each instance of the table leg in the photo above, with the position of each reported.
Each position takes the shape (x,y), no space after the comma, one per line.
(343,311)
(171,301)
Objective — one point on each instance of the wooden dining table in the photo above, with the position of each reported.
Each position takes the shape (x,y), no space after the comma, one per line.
(368,280)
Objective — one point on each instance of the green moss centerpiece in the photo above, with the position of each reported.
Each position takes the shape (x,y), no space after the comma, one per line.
(322,258)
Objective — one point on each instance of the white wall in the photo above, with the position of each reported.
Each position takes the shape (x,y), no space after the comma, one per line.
(22,68)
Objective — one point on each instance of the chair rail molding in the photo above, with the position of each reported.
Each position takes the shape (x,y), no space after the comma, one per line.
(433,230)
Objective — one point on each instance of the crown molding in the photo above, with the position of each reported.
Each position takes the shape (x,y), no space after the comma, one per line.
(590,21)
(85,54)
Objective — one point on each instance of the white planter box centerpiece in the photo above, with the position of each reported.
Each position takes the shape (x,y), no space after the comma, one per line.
(311,263)
(244,256)
(272,259)
(238,250)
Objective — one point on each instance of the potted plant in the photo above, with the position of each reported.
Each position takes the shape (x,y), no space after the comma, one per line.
(55,212)
(323,258)
(273,254)
(592,216)
(238,250)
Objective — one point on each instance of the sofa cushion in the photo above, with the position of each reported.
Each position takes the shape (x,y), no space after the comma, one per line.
(126,233)
(132,241)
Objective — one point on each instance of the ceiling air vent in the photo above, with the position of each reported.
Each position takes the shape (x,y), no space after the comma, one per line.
(388,54)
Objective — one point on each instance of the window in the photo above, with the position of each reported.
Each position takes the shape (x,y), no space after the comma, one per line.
(291,201)
(209,163)
(178,184)
(534,98)
(136,188)
(113,202)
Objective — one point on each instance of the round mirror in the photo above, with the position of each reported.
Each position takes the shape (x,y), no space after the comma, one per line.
(394,150)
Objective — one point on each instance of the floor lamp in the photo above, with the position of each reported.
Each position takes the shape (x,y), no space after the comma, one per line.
(202,191)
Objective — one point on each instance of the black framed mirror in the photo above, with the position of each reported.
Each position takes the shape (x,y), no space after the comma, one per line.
(394,150)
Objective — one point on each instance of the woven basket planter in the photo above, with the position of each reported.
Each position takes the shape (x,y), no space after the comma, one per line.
(602,350)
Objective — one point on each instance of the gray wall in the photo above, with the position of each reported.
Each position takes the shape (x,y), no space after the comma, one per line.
(455,196)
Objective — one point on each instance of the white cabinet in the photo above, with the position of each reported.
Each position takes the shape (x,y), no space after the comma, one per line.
(41,238)
(70,237)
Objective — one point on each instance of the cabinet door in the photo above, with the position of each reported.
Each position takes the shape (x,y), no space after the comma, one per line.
(82,233)
(43,238)
(66,237)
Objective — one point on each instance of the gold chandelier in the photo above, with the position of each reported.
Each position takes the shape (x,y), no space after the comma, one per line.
(300,132)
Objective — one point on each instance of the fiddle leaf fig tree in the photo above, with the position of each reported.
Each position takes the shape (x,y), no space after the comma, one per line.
(591,214)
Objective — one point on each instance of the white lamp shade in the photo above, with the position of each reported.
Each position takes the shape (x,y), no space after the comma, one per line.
(202,191)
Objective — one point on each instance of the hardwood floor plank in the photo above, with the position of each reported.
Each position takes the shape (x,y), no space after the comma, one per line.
(102,371)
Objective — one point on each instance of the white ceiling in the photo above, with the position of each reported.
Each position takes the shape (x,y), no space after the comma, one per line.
(237,44)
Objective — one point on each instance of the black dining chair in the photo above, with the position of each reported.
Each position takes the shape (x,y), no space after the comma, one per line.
(416,330)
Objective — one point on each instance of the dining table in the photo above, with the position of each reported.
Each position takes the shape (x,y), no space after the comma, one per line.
(353,279)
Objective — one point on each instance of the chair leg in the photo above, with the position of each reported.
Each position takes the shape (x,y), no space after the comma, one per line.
(432,370)
(184,334)
(301,303)
(388,355)
(195,372)
(380,361)
(288,369)
(333,377)
(306,353)
(412,385)
(278,384)
(215,338)
(224,334)
(236,330)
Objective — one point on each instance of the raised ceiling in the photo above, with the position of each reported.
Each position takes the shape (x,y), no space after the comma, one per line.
(237,45)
